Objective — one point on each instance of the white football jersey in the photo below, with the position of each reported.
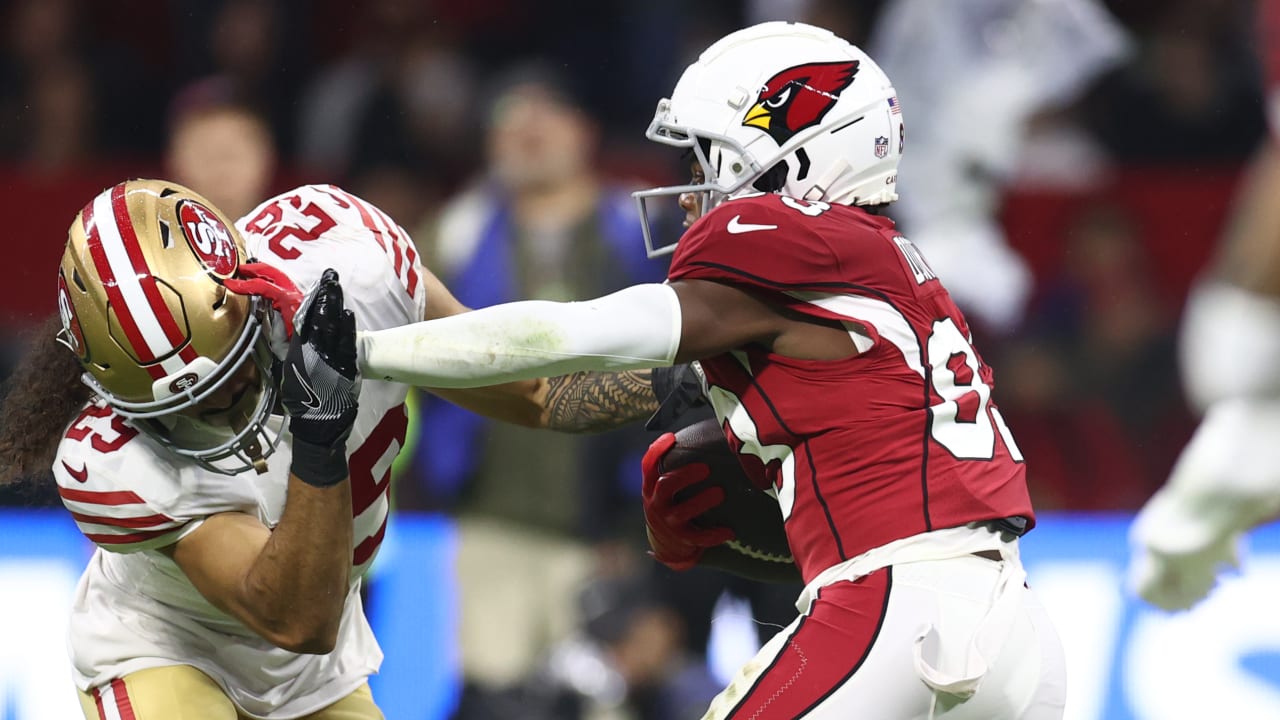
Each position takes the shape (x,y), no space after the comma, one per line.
(134,607)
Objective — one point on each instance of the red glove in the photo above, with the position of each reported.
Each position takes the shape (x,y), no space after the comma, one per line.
(271,283)
(676,541)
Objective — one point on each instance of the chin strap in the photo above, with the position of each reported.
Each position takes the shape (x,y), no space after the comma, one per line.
(823,183)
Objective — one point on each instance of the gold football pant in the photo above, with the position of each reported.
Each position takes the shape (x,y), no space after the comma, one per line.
(180,692)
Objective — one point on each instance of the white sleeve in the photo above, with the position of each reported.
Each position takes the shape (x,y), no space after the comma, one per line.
(1230,345)
(635,328)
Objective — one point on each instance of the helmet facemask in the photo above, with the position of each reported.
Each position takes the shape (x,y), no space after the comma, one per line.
(241,438)
(781,107)
(703,145)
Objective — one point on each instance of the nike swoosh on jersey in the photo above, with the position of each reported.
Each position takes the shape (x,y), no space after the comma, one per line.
(313,400)
(737,227)
(81,475)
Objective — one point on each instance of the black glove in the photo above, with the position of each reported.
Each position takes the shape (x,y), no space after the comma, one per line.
(679,392)
(320,385)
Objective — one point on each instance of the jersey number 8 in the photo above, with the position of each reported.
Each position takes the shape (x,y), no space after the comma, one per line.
(965,422)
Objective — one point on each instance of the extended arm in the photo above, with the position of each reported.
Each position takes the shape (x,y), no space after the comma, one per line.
(598,351)
(644,326)
(1225,480)
(290,584)
(579,402)
(632,329)
(1249,257)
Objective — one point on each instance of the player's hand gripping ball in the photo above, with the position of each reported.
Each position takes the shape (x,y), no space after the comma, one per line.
(701,508)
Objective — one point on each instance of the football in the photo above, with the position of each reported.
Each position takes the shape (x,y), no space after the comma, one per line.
(760,550)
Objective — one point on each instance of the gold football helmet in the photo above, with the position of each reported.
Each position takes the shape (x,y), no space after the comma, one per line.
(144,307)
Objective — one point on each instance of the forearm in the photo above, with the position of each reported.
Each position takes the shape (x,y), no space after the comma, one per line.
(586,402)
(1249,256)
(632,329)
(518,403)
(297,586)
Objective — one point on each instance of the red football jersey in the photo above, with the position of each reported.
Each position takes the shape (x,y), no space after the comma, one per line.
(900,439)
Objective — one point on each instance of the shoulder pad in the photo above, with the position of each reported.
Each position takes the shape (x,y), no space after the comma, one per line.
(126,493)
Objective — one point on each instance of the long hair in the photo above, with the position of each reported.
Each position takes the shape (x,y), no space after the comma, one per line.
(43,395)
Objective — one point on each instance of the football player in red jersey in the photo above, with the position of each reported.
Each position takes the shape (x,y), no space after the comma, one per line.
(843,374)
(1225,481)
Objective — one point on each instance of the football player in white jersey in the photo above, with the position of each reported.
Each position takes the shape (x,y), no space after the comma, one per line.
(1226,480)
(209,595)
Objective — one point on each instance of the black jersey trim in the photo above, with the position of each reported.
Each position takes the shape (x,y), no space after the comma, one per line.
(776,658)
(884,613)
(928,369)
(813,467)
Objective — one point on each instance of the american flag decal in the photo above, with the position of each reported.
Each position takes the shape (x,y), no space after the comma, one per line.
(894,107)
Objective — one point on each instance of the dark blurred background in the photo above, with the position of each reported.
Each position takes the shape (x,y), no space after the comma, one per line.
(1114,202)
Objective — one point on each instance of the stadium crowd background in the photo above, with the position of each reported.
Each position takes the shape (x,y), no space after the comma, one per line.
(1116,200)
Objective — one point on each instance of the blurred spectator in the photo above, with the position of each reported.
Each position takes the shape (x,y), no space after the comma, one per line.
(61,113)
(222,151)
(1191,94)
(621,662)
(401,97)
(63,95)
(40,74)
(970,76)
(1078,455)
(532,507)
(1097,386)
(1124,327)
(254,49)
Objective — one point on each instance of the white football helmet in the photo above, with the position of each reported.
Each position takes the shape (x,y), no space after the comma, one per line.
(787,108)
(145,307)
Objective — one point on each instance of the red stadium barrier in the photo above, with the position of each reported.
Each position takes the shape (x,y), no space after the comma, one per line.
(1178,212)
(37,210)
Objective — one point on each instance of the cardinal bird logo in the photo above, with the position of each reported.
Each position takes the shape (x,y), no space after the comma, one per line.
(799,97)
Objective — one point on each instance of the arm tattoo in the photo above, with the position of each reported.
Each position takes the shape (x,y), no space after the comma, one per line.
(589,401)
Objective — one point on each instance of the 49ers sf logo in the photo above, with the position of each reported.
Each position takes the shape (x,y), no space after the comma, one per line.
(71,336)
(183,382)
(799,97)
(209,238)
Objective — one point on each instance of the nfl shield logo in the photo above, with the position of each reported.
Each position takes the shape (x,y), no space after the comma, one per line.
(882,146)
